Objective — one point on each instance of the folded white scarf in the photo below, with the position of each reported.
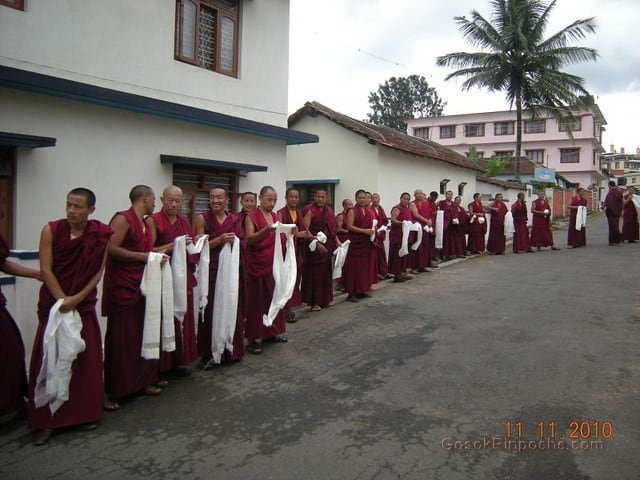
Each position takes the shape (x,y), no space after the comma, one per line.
(581,218)
(202,270)
(284,272)
(179,274)
(408,226)
(341,255)
(320,237)
(61,345)
(473,219)
(157,287)
(636,201)
(439,228)
(374,224)
(509,226)
(481,220)
(225,302)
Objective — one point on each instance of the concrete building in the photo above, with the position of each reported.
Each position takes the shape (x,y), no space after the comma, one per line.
(622,166)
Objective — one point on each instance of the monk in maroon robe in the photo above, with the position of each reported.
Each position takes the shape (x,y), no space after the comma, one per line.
(125,371)
(165,226)
(451,246)
(420,259)
(72,257)
(261,238)
(496,244)
(431,206)
(342,232)
(613,205)
(630,232)
(356,273)
(381,265)
(317,283)
(477,228)
(13,375)
(460,229)
(222,227)
(521,234)
(541,235)
(576,238)
(397,264)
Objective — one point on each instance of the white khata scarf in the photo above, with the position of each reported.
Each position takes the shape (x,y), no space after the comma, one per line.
(439,228)
(320,237)
(157,287)
(225,302)
(284,272)
(509,226)
(341,255)
(581,218)
(408,226)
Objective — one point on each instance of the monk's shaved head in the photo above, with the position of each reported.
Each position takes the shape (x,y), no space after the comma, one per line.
(266,189)
(138,192)
(172,190)
(218,190)
(86,193)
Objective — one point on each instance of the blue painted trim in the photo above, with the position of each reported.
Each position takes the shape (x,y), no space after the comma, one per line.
(83,92)
(7,280)
(219,164)
(29,141)
(25,254)
(335,181)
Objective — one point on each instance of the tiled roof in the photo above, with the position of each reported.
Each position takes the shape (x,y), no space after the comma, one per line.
(501,183)
(385,136)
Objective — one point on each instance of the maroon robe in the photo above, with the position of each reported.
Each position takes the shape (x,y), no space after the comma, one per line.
(432,209)
(477,230)
(521,234)
(419,259)
(260,283)
(13,375)
(398,264)
(497,238)
(214,229)
(428,239)
(285,216)
(576,238)
(541,235)
(75,262)
(356,274)
(185,332)
(630,231)
(613,204)
(453,234)
(317,282)
(340,225)
(378,253)
(125,371)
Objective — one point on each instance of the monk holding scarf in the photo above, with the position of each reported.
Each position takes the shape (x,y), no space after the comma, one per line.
(125,371)
(343,233)
(577,238)
(380,263)
(72,257)
(222,227)
(399,214)
(496,244)
(420,259)
(317,283)
(451,246)
(477,227)
(356,277)
(165,226)
(541,235)
(261,238)
(431,207)
(521,234)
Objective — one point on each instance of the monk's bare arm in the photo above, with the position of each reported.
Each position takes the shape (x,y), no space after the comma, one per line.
(13,268)
(46,264)
(254,236)
(351,217)
(416,215)
(120,226)
(394,217)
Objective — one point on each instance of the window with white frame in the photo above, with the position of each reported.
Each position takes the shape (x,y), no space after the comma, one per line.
(503,128)
(567,124)
(539,125)
(569,155)
(474,130)
(421,132)
(535,155)
(448,131)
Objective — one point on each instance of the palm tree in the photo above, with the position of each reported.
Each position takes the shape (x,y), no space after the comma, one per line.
(517,59)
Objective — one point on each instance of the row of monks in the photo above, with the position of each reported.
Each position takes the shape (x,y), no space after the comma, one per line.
(75,251)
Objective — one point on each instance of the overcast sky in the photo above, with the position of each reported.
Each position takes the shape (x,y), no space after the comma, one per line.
(340,50)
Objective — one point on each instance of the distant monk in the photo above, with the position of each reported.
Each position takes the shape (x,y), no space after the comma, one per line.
(541,235)
(432,207)
(398,264)
(317,283)
(613,205)
(521,234)
(460,229)
(13,375)
(125,370)
(379,253)
(72,257)
(577,238)
(630,231)
(477,227)
(450,239)
(419,259)
(343,233)
(496,244)
(222,227)
(261,239)
(356,273)
(165,226)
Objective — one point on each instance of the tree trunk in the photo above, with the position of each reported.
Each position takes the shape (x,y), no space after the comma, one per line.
(518,133)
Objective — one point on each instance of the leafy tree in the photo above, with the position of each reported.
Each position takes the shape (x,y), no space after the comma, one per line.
(495,165)
(401,98)
(518,60)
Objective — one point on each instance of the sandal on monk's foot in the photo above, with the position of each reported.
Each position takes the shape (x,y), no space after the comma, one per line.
(161,384)
(291,317)
(42,437)
(152,390)
(209,365)
(363,295)
(281,339)
(87,427)
(352,298)
(255,348)
(316,308)
(398,280)
(110,406)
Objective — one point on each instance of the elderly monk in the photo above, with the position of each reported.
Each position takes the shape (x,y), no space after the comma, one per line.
(496,245)
(222,227)
(343,233)
(577,238)
(398,264)
(541,235)
(165,226)
(72,257)
(317,283)
(451,228)
(125,371)
(261,238)
(431,206)
(630,231)
(13,376)
(521,234)
(380,263)
(478,228)
(613,205)
(356,276)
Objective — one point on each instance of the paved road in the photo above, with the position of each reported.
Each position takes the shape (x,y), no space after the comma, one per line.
(370,390)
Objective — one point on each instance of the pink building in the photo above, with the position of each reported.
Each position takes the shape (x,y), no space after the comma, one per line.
(544,140)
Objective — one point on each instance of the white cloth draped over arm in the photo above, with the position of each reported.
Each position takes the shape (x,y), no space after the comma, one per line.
(439,228)
(225,302)
(284,272)
(202,270)
(320,237)
(581,217)
(341,255)
(61,345)
(636,201)
(179,274)
(408,226)
(157,287)
(374,224)
(509,226)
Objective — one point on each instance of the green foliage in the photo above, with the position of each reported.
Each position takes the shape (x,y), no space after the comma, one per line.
(496,165)
(398,99)
(473,156)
